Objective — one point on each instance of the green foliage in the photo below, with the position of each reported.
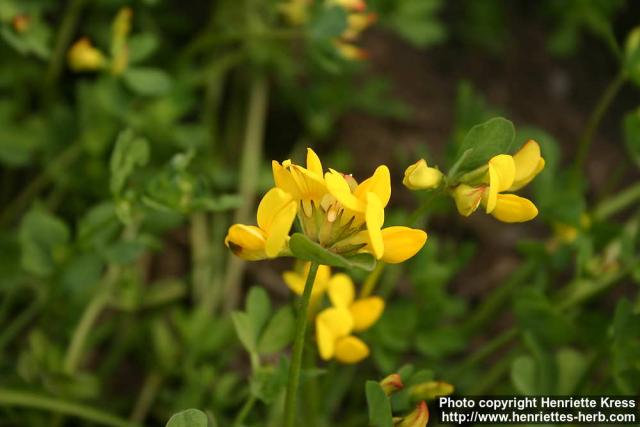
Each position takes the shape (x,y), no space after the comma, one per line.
(119,299)
(379,405)
(481,143)
(414,20)
(188,418)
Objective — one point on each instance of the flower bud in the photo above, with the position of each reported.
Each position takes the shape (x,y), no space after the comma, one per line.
(419,176)
(430,390)
(84,57)
(350,51)
(20,23)
(418,418)
(391,383)
(467,198)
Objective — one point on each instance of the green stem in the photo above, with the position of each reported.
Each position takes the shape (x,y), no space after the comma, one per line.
(9,332)
(147,395)
(249,174)
(617,203)
(372,279)
(494,301)
(36,185)
(596,116)
(486,350)
(30,400)
(244,411)
(91,313)
(201,256)
(298,347)
(67,28)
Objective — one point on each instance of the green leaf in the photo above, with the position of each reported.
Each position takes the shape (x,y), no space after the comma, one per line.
(43,239)
(258,308)
(188,418)
(571,366)
(523,375)
(632,55)
(268,382)
(417,21)
(305,249)
(632,135)
(330,22)
(147,81)
(141,47)
(244,330)
(278,333)
(129,152)
(482,142)
(379,405)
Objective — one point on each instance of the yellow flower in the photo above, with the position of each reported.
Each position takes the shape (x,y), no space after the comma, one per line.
(419,176)
(335,324)
(83,56)
(504,173)
(276,213)
(343,216)
(295,11)
(418,418)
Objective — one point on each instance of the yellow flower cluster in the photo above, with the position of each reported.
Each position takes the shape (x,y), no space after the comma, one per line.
(358,19)
(487,185)
(333,209)
(347,314)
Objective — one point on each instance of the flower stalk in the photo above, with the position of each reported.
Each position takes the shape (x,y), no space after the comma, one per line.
(298,347)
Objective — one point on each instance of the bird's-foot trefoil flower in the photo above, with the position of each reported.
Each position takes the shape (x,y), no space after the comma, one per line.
(83,56)
(335,325)
(419,176)
(276,214)
(333,210)
(488,185)
(299,12)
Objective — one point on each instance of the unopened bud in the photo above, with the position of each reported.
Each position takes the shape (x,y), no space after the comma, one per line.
(84,57)
(430,390)
(419,176)
(418,418)
(391,383)
(20,23)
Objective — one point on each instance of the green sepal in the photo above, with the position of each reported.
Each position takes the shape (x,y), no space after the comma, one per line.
(307,250)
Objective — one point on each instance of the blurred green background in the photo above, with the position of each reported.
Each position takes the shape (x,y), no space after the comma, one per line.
(125,158)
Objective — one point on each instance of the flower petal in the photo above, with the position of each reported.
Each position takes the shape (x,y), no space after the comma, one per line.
(374,217)
(296,281)
(512,208)
(338,321)
(401,243)
(419,176)
(339,188)
(278,232)
(272,203)
(341,290)
(313,163)
(351,350)
(366,312)
(325,340)
(246,241)
(502,171)
(528,163)
(283,180)
(379,184)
